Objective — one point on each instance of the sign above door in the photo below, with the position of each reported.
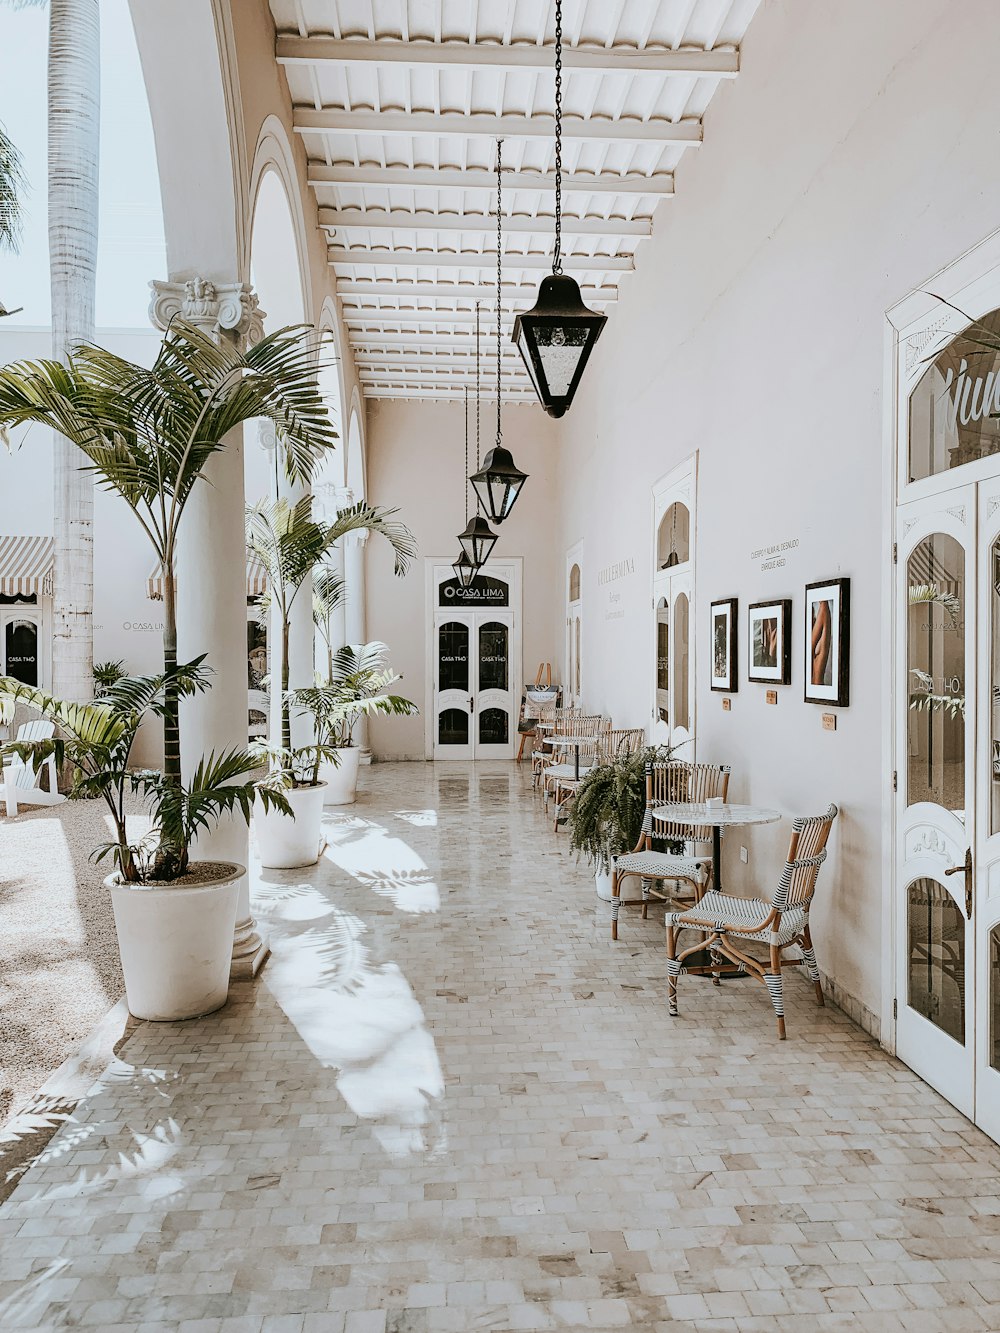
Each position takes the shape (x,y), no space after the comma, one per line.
(482,591)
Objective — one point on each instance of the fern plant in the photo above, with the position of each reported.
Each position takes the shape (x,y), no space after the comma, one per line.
(606,812)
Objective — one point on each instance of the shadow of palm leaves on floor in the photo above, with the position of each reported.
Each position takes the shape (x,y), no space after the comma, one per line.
(410,890)
(387,865)
(142,1148)
(362,1019)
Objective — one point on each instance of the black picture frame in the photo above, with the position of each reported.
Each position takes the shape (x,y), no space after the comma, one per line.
(725,641)
(773,665)
(832,666)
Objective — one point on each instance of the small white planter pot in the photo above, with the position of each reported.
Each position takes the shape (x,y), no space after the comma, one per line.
(176,944)
(342,781)
(602,878)
(284,842)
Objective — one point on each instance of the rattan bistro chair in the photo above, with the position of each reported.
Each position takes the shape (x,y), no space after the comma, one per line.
(591,728)
(541,755)
(726,924)
(616,743)
(667,783)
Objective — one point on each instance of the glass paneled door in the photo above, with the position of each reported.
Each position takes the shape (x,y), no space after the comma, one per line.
(948,793)
(475,665)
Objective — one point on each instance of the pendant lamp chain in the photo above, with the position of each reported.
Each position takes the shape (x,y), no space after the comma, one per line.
(557,257)
(466,455)
(499,252)
(477,400)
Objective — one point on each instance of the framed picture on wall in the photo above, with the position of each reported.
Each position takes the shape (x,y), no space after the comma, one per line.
(725,646)
(828,642)
(769,642)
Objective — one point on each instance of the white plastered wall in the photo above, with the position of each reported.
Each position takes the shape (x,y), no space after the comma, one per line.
(415,458)
(850,160)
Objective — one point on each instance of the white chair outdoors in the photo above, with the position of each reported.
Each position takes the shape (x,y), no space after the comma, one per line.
(21,779)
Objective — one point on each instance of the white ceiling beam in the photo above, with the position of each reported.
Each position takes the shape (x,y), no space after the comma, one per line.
(474,259)
(690,62)
(392,362)
(444,395)
(331,120)
(480,178)
(464,340)
(400,220)
(383,289)
(452,291)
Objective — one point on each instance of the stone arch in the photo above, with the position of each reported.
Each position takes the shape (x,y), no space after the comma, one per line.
(278,242)
(198,137)
(357,472)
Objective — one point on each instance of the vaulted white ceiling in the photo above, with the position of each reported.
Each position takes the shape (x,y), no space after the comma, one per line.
(400,104)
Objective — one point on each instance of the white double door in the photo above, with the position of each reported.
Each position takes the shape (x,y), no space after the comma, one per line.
(947,727)
(477,687)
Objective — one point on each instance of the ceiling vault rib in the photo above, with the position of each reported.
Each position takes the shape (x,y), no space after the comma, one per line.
(456,124)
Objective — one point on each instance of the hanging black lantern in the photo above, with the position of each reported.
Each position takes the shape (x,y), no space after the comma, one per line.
(498,483)
(478,540)
(465,571)
(557,335)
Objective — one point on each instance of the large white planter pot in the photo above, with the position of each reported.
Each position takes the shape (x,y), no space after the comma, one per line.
(342,781)
(176,944)
(284,842)
(603,881)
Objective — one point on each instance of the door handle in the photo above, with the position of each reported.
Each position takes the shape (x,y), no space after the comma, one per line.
(472,707)
(966,869)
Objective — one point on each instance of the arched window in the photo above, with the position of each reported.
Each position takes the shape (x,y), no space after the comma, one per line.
(673,538)
(574,583)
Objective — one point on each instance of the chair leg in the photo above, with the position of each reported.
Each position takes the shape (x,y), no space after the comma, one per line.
(646,886)
(809,957)
(775,989)
(616,901)
(673,969)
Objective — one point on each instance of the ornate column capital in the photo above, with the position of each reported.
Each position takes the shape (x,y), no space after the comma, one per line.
(329,499)
(267,436)
(216,308)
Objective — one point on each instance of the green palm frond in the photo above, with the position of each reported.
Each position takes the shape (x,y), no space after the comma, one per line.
(362,515)
(359,679)
(13,184)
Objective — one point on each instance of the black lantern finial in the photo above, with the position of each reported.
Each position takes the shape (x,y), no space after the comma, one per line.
(478,539)
(557,335)
(499,481)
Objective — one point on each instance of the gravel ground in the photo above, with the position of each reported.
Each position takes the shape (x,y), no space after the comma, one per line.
(59,968)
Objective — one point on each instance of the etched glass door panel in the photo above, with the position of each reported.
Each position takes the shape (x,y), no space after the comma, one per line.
(453,656)
(936,957)
(493,652)
(935,643)
(20,650)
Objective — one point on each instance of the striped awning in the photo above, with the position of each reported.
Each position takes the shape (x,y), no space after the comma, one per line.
(26,566)
(256,580)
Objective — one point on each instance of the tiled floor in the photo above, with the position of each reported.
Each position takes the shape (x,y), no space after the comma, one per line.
(451,1104)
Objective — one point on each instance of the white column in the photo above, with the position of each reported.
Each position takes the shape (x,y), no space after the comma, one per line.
(212,594)
(355,544)
(329,500)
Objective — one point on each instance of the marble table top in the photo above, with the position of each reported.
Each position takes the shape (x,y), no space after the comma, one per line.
(720,816)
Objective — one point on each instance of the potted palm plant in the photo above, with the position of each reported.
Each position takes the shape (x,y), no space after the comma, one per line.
(290,543)
(147,434)
(175,937)
(606,812)
(356,687)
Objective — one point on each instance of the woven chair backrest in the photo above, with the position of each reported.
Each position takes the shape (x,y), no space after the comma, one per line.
(679,781)
(620,742)
(593,725)
(563,720)
(806,853)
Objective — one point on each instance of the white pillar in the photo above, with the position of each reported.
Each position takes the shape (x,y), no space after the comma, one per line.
(329,500)
(355,544)
(300,638)
(212,593)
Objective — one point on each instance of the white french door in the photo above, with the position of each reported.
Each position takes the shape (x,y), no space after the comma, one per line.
(947,899)
(474,665)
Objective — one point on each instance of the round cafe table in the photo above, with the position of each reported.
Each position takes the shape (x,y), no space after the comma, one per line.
(564,742)
(716,818)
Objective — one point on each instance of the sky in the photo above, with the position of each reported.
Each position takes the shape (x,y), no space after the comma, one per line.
(131,247)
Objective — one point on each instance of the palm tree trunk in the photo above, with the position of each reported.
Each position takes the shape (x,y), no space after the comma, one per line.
(286,712)
(74,83)
(171,696)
